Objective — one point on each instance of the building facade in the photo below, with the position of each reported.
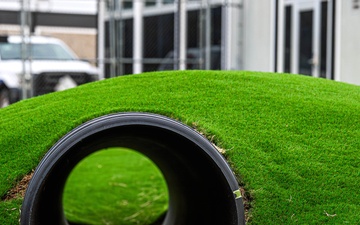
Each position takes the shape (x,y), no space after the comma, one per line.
(312,37)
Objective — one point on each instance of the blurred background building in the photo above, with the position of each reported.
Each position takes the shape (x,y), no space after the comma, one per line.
(318,38)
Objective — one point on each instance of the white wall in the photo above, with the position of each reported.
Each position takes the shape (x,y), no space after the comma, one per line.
(54,6)
(259,35)
(347,65)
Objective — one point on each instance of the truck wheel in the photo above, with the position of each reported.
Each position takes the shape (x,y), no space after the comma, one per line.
(4,97)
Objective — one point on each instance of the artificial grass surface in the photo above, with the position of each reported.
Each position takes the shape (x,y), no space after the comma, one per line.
(292,140)
(136,192)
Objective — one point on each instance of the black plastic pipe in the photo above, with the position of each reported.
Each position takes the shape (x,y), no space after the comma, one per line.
(202,187)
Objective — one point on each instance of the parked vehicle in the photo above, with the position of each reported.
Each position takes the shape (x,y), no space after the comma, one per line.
(51,64)
(4,95)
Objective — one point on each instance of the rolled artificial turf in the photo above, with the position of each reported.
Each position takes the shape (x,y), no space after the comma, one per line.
(293,141)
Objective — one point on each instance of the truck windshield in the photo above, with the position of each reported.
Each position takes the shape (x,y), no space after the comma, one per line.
(10,51)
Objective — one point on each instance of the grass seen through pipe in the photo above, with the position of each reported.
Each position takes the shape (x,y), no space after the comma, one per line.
(135,189)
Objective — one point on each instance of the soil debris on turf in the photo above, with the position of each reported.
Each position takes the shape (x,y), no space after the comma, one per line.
(19,190)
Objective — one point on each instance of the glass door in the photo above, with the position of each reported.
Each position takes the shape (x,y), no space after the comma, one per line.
(306,52)
(303,36)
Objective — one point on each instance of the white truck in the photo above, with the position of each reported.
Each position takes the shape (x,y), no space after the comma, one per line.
(49,66)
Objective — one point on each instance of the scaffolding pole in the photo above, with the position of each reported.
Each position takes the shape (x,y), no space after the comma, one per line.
(208,36)
(25,35)
(182,34)
(101,37)
(138,7)
(112,38)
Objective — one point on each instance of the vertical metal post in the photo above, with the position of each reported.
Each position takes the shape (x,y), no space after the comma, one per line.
(112,38)
(329,58)
(120,34)
(182,34)
(225,35)
(280,37)
(25,34)
(205,35)
(338,34)
(295,39)
(316,57)
(138,6)
(101,38)
(208,36)
(176,37)
(201,24)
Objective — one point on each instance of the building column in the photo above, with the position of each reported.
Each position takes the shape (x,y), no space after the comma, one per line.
(232,35)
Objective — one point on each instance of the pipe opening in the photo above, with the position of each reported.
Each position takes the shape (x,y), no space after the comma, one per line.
(200,183)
